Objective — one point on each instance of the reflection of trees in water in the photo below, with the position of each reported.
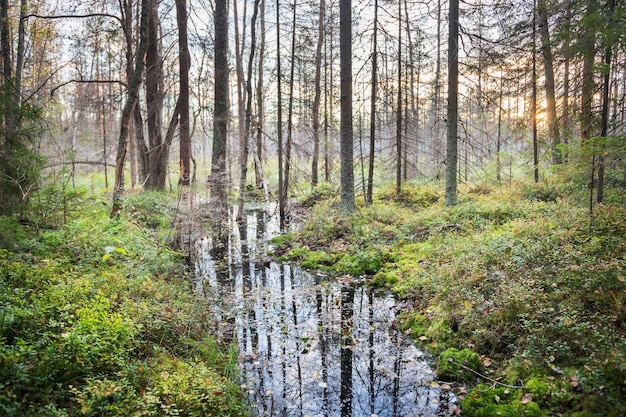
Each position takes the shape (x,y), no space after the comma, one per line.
(347,313)
(314,347)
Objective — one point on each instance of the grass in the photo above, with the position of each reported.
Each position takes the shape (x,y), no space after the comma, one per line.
(98,318)
(523,277)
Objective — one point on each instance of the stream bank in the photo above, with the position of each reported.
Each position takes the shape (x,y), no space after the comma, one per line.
(311,344)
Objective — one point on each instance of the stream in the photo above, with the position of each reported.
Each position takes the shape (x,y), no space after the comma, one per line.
(310,344)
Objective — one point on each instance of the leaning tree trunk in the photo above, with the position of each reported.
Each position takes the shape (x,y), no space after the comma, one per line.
(131,100)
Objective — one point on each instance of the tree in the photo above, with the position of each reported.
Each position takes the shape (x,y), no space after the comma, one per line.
(348,204)
(218,176)
(131,100)
(158,147)
(604,118)
(453,107)
(374,91)
(548,65)
(399,106)
(318,93)
(258,155)
(184,64)
(279,125)
(248,117)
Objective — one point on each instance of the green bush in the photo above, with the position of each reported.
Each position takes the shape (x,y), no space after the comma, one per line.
(97,319)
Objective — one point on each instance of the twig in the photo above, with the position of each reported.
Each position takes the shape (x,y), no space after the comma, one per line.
(495,382)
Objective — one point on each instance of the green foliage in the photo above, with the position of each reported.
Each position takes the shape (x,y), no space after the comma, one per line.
(538,288)
(57,201)
(410,196)
(459,365)
(485,401)
(93,321)
(322,192)
(20,164)
(540,192)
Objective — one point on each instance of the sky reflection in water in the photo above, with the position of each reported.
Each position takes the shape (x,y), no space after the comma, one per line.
(311,345)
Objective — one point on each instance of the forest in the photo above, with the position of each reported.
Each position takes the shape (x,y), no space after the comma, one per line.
(169,166)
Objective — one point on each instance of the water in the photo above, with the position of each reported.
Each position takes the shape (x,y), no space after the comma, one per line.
(309,344)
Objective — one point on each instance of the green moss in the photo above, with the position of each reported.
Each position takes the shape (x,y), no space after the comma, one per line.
(384,279)
(457,365)
(536,387)
(487,401)
(367,262)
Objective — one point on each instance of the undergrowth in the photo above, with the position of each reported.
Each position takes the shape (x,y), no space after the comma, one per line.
(523,277)
(98,319)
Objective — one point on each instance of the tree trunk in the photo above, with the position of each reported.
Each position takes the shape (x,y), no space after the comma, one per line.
(288,144)
(183,99)
(453,107)
(567,129)
(218,176)
(533,104)
(21,46)
(241,99)
(318,93)
(548,64)
(248,120)
(158,150)
(279,125)
(131,99)
(370,171)
(588,48)
(348,204)
(258,157)
(606,84)
(399,107)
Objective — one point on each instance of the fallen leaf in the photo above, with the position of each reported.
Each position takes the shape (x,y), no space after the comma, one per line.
(526,398)
(486,361)
(497,399)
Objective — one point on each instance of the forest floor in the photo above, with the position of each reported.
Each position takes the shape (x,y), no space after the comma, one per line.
(521,292)
(98,317)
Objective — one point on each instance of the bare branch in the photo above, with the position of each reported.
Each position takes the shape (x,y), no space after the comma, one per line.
(74,16)
(87,82)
